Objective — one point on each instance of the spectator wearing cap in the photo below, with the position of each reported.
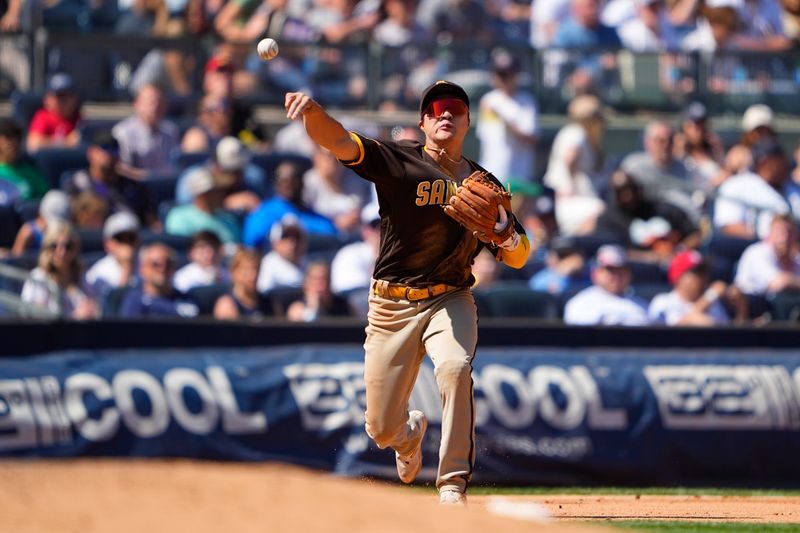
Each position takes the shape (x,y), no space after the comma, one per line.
(771,265)
(508,124)
(649,30)
(243,301)
(335,192)
(146,140)
(206,210)
(575,168)
(156,296)
(354,263)
(757,123)
(53,208)
(318,300)
(692,301)
(205,263)
(606,302)
(230,164)
(698,147)
(214,117)
(658,173)
(285,264)
(564,271)
(747,202)
(102,179)
(56,284)
(120,241)
(56,122)
(288,199)
(19,178)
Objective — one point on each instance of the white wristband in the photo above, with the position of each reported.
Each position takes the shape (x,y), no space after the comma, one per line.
(511,243)
(711,295)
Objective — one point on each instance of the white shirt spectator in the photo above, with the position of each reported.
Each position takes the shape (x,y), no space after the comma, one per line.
(502,152)
(598,306)
(355,193)
(352,267)
(761,18)
(572,136)
(669,308)
(757,267)
(617,12)
(142,147)
(194,275)
(636,36)
(545,18)
(105,272)
(39,291)
(278,272)
(747,198)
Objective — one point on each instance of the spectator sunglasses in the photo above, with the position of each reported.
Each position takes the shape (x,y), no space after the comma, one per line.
(454,105)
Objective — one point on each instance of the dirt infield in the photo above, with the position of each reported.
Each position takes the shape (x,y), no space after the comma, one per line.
(171,496)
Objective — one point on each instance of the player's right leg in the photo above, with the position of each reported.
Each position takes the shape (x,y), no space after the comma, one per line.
(393,354)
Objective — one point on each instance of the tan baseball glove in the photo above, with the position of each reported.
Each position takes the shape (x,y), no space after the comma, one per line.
(483,207)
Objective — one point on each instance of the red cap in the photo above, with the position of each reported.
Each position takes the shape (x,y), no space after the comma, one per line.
(682,263)
(219,63)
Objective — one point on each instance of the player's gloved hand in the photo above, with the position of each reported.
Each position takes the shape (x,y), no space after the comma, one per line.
(484,208)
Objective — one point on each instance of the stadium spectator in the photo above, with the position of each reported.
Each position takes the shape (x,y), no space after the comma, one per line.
(353,263)
(564,271)
(120,241)
(746,202)
(536,213)
(55,123)
(693,301)
(575,168)
(88,211)
(762,26)
(19,178)
(757,123)
(461,21)
(400,26)
(486,270)
(716,28)
(243,300)
(698,147)
(53,209)
(231,163)
(335,192)
(56,284)
(205,263)
(771,265)
(653,225)
(508,124)
(658,173)
(606,302)
(545,20)
(213,123)
(288,199)
(285,264)
(155,296)
(206,210)
(102,179)
(318,300)
(649,30)
(146,140)
(791,19)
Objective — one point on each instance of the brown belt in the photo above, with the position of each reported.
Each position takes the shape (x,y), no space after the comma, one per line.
(404,292)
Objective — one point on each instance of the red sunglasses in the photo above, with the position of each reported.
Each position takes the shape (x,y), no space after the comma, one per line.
(454,105)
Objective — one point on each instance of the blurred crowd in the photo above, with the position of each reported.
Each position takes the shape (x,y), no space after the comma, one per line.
(210,216)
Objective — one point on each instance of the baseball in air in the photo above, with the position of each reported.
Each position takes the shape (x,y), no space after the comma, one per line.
(267,49)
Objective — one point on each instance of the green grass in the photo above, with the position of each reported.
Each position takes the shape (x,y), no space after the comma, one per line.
(669,491)
(705,527)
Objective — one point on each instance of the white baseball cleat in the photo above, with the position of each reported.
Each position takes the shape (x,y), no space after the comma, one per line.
(452,497)
(408,466)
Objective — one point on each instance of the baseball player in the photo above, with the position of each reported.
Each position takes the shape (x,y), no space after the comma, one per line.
(420,300)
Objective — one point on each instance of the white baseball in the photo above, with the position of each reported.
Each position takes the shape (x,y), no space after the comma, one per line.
(267,49)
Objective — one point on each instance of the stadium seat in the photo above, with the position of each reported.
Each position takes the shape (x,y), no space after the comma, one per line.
(724,252)
(161,188)
(53,162)
(785,306)
(185,160)
(647,273)
(24,105)
(91,240)
(27,209)
(269,162)
(206,296)
(282,297)
(517,300)
(321,245)
(113,300)
(648,291)
(178,242)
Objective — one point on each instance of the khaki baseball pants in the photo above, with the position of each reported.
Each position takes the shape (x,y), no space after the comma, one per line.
(399,334)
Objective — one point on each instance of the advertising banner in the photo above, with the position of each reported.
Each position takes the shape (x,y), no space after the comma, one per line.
(544,416)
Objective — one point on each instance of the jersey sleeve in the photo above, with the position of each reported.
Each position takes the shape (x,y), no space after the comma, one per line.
(377,161)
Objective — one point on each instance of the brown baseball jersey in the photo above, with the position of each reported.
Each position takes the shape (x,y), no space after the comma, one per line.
(420,245)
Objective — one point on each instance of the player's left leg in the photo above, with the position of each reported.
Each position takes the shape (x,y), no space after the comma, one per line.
(450,338)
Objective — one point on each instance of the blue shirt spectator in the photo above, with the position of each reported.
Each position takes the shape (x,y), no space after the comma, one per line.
(287,200)
(156,296)
(584,29)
